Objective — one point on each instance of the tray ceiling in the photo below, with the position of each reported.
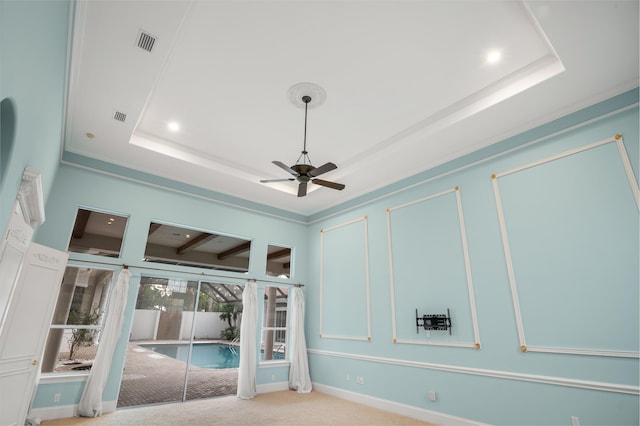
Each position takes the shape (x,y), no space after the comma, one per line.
(409,85)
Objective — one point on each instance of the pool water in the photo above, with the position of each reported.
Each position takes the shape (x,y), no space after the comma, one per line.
(204,355)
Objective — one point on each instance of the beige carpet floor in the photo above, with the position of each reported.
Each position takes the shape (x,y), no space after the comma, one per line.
(276,408)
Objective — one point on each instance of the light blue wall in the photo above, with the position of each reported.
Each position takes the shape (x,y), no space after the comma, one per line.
(142,204)
(33,52)
(496,383)
(576,275)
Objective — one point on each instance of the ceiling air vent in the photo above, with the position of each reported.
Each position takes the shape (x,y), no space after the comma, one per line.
(146,41)
(120,116)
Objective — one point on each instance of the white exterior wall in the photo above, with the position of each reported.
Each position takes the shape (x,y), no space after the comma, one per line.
(208,325)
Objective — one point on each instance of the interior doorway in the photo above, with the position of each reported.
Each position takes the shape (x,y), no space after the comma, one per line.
(183,342)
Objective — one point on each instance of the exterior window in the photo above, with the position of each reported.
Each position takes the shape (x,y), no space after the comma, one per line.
(77,320)
(274,324)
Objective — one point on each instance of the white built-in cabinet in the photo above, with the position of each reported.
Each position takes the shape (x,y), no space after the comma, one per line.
(30,277)
(13,247)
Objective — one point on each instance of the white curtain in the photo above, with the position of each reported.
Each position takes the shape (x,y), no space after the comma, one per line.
(91,402)
(299,378)
(248,329)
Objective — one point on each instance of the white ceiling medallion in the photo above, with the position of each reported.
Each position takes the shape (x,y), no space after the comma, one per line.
(315,92)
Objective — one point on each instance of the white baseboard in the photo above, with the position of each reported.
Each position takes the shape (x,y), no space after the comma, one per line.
(272,387)
(50,413)
(396,407)
(109,406)
(66,411)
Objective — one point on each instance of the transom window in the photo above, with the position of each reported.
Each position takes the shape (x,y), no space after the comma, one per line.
(174,245)
(97,233)
(279,261)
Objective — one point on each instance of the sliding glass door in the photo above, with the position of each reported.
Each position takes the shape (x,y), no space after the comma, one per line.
(181,345)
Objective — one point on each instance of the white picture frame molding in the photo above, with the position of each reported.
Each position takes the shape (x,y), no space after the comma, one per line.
(472,300)
(618,140)
(368,337)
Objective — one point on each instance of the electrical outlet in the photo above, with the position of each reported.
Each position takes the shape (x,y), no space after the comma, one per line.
(348,377)
(432,396)
(575,421)
(56,397)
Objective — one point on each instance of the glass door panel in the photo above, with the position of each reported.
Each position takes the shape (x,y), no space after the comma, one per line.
(213,370)
(181,344)
(159,344)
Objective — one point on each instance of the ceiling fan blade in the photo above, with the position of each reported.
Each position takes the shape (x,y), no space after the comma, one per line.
(285,167)
(322,169)
(302,189)
(332,185)
(276,180)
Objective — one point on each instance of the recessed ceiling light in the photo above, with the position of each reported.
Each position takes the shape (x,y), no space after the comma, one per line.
(494,56)
(173,126)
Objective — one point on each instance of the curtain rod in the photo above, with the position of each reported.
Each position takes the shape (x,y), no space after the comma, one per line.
(125,266)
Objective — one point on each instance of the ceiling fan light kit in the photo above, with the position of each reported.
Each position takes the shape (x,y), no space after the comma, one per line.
(302,95)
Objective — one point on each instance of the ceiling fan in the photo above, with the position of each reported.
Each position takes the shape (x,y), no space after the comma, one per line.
(304,171)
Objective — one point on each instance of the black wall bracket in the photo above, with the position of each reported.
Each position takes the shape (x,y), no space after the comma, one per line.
(433,322)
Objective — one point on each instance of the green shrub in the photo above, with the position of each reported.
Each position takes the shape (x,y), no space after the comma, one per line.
(81,336)
(229,333)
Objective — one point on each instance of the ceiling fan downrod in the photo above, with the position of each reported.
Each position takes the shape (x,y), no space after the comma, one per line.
(305,155)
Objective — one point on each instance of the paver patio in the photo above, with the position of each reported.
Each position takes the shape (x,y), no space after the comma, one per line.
(152,378)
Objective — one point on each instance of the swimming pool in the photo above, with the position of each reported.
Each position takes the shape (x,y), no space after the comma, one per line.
(204,355)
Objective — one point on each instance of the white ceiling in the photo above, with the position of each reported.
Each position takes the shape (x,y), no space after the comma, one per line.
(407,85)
